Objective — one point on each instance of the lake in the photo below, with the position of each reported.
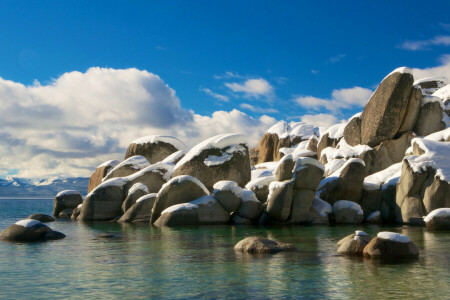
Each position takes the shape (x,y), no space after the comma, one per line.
(199,262)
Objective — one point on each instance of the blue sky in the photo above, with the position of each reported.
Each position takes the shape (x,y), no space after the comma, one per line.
(272,58)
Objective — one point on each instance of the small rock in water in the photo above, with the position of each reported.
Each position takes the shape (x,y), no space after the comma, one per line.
(256,244)
(391,245)
(42,218)
(29,230)
(106,236)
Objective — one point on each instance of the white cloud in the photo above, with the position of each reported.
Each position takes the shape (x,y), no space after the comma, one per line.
(257,109)
(340,99)
(228,75)
(215,95)
(442,70)
(439,40)
(79,120)
(320,120)
(252,88)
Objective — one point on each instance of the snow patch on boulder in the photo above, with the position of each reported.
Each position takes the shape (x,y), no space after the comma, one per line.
(393,236)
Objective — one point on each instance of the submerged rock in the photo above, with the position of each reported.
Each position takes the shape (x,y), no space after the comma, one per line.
(256,244)
(29,231)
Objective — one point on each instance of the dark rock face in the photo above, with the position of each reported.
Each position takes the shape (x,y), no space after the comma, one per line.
(279,202)
(66,200)
(100,173)
(140,211)
(179,217)
(429,119)
(412,111)
(438,219)
(383,114)
(352,132)
(136,191)
(269,146)
(41,218)
(180,189)
(262,245)
(236,169)
(380,248)
(432,84)
(284,170)
(153,152)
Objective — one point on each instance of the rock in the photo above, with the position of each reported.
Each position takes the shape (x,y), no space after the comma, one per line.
(27,231)
(320,211)
(312,144)
(66,199)
(228,194)
(301,206)
(260,186)
(238,220)
(178,190)
(210,211)
(53,235)
(308,173)
(284,169)
(430,115)
(135,192)
(374,218)
(358,233)
(412,111)
(250,207)
(353,247)
(444,94)
(155,148)
(100,172)
(352,132)
(76,212)
(175,157)
(279,201)
(41,218)
(390,245)
(345,183)
(256,244)
(153,177)
(129,166)
(330,138)
(178,215)
(141,210)
(223,157)
(66,213)
(431,84)
(384,112)
(438,219)
(347,212)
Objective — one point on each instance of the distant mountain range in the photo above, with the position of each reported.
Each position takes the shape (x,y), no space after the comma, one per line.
(23,187)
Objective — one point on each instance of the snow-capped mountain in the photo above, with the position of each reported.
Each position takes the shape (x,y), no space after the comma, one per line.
(24,187)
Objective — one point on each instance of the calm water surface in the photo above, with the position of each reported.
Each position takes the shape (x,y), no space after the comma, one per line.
(146,262)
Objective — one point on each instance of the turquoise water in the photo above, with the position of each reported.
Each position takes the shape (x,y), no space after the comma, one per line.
(146,262)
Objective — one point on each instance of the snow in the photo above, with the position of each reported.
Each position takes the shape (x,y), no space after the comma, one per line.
(286,151)
(303,153)
(277,185)
(442,135)
(281,129)
(376,180)
(163,168)
(145,197)
(226,185)
(336,131)
(293,130)
(400,70)
(116,181)
(443,93)
(305,161)
(430,99)
(338,172)
(441,82)
(344,150)
(436,156)
(373,216)
(219,141)
(137,186)
(247,195)
(260,182)
(259,173)
(68,192)
(437,213)
(183,178)
(270,165)
(204,200)
(161,138)
(80,205)
(108,163)
(213,160)
(174,156)
(323,208)
(177,207)
(304,131)
(345,204)
(360,233)
(28,223)
(393,236)
(136,162)
(334,165)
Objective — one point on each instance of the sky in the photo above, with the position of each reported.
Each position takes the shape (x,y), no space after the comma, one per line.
(80,80)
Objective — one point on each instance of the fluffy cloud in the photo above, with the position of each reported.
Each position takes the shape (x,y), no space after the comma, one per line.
(442,70)
(215,95)
(440,40)
(340,99)
(257,109)
(320,120)
(252,88)
(82,119)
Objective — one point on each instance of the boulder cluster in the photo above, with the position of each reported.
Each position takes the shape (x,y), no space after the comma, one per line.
(387,164)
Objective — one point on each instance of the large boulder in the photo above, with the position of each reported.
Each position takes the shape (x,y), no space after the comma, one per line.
(320,211)
(141,210)
(352,131)
(412,111)
(228,194)
(155,148)
(68,199)
(384,112)
(330,138)
(308,173)
(256,245)
(430,116)
(344,183)
(250,207)
(353,247)
(438,219)
(29,231)
(210,211)
(284,169)
(153,177)
(279,201)
(391,245)
(100,172)
(129,166)
(135,192)
(178,190)
(358,233)
(347,212)
(174,157)
(260,186)
(301,206)
(222,157)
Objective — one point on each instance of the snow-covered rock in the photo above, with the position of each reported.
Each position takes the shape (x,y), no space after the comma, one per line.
(66,200)
(100,172)
(129,166)
(155,147)
(29,231)
(260,186)
(430,85)
(391,245)
(141,210)
(347,212)
(438,219)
